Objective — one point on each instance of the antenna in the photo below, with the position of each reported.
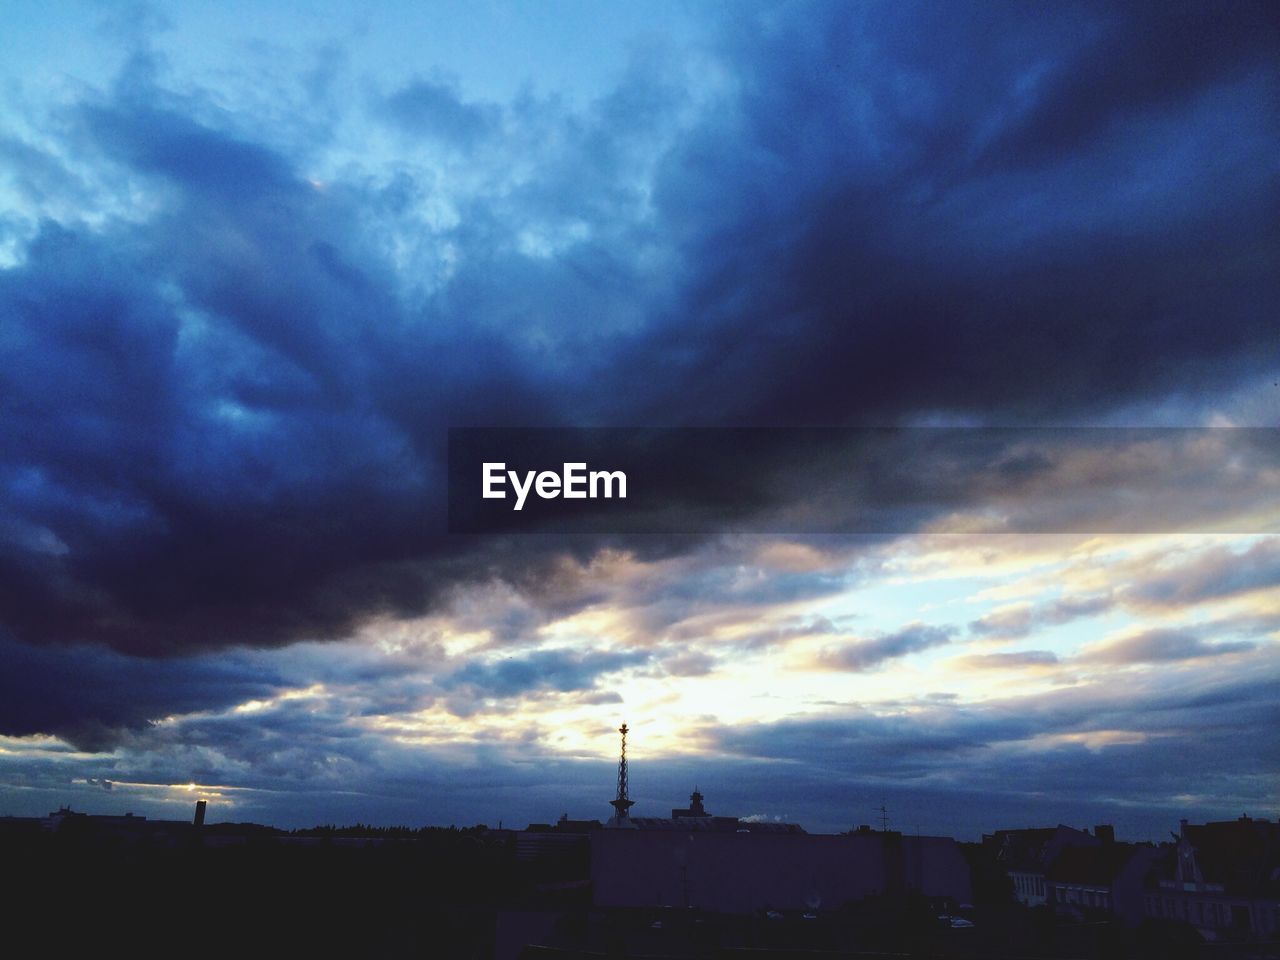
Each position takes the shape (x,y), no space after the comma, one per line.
(622,803)
(884,816)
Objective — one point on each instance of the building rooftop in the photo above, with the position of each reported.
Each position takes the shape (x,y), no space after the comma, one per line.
(1092,866)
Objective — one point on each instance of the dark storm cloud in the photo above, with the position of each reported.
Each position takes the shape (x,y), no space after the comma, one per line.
(1152,56)
(848,232)
(90,696)
(222,416)
(867,654)
(227,464)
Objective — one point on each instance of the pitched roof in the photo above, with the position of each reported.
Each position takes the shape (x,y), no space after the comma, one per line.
(1243,855)
(1094,866)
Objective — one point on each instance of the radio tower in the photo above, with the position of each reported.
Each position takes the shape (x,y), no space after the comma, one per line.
(622,803)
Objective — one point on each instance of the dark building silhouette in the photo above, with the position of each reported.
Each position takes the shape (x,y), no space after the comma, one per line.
(1026,855)
(695,808)
(1101,881)
(1221,877)
(126,829)
(743,872)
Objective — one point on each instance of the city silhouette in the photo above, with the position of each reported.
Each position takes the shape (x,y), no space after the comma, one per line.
(689,885)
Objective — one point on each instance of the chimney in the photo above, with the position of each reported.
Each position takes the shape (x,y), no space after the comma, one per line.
(199,821)
(1105,832)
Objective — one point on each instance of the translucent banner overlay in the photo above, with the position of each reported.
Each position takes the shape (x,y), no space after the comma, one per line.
(890,480)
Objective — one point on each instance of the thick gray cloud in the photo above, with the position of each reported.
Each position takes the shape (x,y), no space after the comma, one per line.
(1011,661)
(691,663)
(1127,747)
(1013,623)
(431,108)
(1212,575)
(1157,646)
(562,670)
(868,654)
(1009,624)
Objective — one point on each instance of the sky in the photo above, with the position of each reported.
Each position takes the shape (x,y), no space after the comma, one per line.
(257,259)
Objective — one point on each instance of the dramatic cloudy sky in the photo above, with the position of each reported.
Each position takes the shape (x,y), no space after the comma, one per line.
(257,258)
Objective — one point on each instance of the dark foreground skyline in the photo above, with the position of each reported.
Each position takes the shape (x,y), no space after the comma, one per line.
(691,885)
(256,262)
(1145,828)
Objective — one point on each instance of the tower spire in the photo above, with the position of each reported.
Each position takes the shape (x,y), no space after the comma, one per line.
(622,803)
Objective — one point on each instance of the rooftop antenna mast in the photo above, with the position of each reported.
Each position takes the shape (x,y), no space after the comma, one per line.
(884,816)
(622,803)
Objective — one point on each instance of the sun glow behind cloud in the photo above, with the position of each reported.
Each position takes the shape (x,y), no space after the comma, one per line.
(760,662)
